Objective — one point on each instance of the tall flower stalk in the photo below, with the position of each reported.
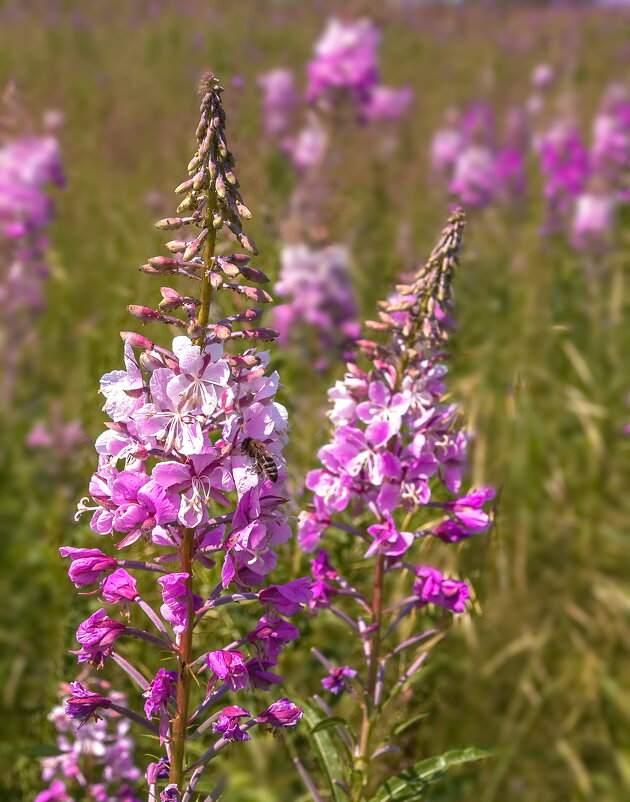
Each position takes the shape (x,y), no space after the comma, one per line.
(389,481)
(191,469)
(343,92)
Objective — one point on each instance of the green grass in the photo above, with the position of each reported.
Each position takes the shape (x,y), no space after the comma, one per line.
(539,673)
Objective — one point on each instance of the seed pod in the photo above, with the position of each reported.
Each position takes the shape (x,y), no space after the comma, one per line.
(217,221)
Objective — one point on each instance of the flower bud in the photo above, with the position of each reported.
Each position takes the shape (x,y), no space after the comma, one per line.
(193,247)
(136,340)
(163,261)
(176,245)
(171,299)
(253,274)
(169,223)
(184,186)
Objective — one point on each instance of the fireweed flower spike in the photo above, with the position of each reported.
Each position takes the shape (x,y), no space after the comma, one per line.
(178,473)
(318,316)
(390,477)
(30,164)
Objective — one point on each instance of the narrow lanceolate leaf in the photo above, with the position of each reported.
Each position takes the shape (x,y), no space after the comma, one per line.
(327,724)
(411,784)
(326,751)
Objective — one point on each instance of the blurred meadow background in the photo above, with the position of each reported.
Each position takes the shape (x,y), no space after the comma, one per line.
(538,671)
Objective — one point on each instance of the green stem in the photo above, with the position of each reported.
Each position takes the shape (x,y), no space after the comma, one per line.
(180,722)
(206,287)
(187,548)
(362,763)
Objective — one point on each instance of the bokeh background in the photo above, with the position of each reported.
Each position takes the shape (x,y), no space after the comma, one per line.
(538,672)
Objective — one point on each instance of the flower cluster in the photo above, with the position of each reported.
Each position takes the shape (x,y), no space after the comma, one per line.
(95,749)
(391,476)
(317,282)
(583,183)
(343,85)
(190,467)
(29,165)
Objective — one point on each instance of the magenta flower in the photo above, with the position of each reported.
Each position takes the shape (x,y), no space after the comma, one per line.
(345,60)
(335,682)
(387,539)
(124,390)
(230,667)
(387,103)
(97,635)
(227,724)
(433,588)
(141,506)
(279,100)
(158,694)
(87,565)
(119,586)
(289,598)
(170,793)
(282,713)
(258,676)
(83,704)
(176,596)
(271,635)
(56,792)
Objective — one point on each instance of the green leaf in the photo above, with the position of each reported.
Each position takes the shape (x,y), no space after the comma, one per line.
(327,723)
(409,785)
(325,749)
(406,724)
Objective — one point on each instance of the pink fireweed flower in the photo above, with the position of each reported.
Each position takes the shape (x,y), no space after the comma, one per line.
(87,565)
(433,588)
(160,691)
(279,101)
(97,635)
(345,61)
(593,218)
(228,666)
(228,724)
(287,599)
(176,596)
(336,681)
(83,704)
(282,713)
(119,586)
(387,539)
